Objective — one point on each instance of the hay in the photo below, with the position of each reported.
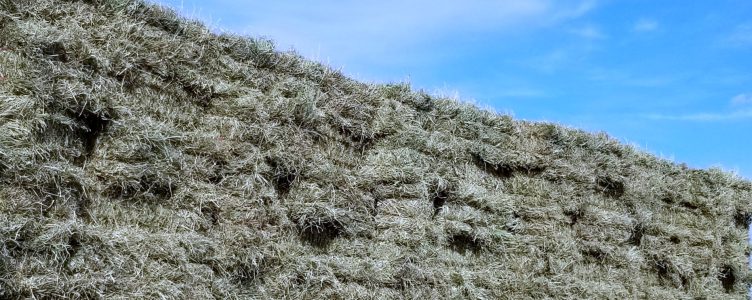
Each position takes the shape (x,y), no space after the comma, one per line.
(142,155)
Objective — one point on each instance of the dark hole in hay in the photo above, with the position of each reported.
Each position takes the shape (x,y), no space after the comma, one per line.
(287,93)
(506,170)
(148,186)
(3,165)
(662,268)
(375,209)
(211,212)
(216,178)
(92,64)
(463,242)
(440,198)
(94,125)
(162,189)
(574,215)
(242,268)
(217,174)
(669,196)
(283,175)
(498,170)
(299,279)
(203,93)
(594,253)
(127,78)
(82,207)
(55,51)
(533,170)
(267,200)
(283,183)
(675,239)
(14,246)
(742,219)
(668,275)
(727,278)
(322,233)
(547,269)
(635,238)
(684,281)
(688,205)
(610,187)
(359,139)
(122,191)
(424,103)
(74,245)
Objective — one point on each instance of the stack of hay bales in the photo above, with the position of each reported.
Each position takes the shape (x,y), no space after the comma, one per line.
(142,155)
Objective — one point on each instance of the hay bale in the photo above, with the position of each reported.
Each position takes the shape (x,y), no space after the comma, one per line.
(143,155)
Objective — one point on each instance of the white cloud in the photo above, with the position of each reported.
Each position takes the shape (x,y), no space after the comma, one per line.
(645,25)
(742,99)
(520,93)
(588,32)
(388,21)
(573,9)
(552,61)
(627,78)
(741,36)
(385,31)
(703,117)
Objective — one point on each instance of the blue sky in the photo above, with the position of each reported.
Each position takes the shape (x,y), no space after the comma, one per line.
(672,77)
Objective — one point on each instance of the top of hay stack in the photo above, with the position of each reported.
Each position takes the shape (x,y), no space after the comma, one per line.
(142,155)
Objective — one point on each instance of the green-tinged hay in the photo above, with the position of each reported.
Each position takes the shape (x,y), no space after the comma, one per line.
(144,156)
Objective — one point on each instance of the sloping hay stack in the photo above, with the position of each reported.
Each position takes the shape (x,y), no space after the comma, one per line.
(143,156)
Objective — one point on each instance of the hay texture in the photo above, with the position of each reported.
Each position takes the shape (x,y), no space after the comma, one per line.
(144,156)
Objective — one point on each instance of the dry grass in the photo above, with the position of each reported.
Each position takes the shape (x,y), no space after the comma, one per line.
(142,155)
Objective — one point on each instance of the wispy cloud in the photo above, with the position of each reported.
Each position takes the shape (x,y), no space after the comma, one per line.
(378,29)
(742,99)
(520,93)
(627,78)
(566,10)
(645,25)
(702,117)
(401,20)
(740,36)
(552,61)
(589,32)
